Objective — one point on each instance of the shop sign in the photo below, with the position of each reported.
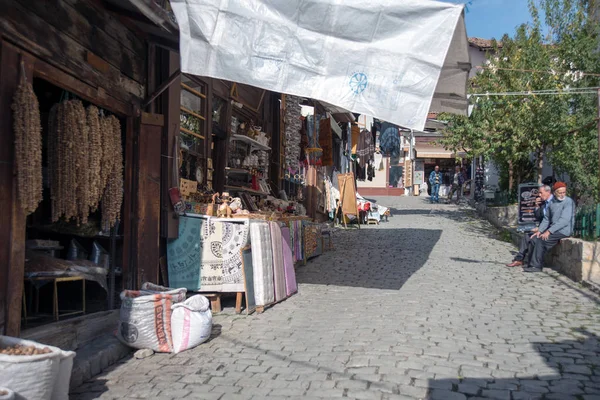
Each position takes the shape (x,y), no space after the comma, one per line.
(528,193)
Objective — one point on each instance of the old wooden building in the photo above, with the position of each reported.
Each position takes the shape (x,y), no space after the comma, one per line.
(106,54)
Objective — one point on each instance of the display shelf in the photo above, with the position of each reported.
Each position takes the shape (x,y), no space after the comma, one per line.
(250,141)
(238,171)
(184,130)
(244,170)
(42,229)
(247,190)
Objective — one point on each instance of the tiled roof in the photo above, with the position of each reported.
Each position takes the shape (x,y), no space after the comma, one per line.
(482,43)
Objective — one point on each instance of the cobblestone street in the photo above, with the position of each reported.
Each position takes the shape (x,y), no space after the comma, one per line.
(419,307)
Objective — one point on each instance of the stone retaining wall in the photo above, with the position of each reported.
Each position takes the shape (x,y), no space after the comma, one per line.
(574,258)
(500,217)
(577,259)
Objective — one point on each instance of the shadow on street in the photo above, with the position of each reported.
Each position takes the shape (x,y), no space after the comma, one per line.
(367,264)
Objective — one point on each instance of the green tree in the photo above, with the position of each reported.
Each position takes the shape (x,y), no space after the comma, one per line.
(509,129)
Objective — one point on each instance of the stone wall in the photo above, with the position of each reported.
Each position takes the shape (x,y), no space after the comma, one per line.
(574,258)
(500,217)
(577,259)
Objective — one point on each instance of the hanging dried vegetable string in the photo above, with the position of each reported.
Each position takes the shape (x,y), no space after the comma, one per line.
(28,145)
(106,136)
(85,163)
(81,150)
(95,156)
(113,194)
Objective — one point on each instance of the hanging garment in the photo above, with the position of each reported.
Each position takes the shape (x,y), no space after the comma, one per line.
(360,171)
(389,139)
(365,148)
(370,172)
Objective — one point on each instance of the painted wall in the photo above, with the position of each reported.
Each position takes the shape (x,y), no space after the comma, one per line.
(380,178)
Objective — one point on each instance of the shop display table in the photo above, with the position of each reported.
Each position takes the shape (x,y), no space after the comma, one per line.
(55,306)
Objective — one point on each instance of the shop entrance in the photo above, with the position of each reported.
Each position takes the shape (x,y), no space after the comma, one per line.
(70,260)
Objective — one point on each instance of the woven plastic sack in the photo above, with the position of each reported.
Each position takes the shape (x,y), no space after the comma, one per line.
(36,377)
(191,323)
(145,317)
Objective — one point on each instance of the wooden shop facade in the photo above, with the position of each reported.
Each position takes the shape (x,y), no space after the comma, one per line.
(93,61)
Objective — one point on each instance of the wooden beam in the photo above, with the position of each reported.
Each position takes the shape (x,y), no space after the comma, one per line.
(79,22)
(195,114)
(170,45)
(147,208)
(193,91)
(191,133)
(12,216)
(164,86)
(156,14)
(96,95)
(45,41)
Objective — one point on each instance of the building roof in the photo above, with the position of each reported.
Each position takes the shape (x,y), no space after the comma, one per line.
(482,44)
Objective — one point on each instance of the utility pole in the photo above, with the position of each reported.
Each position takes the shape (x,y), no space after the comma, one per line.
(598,139)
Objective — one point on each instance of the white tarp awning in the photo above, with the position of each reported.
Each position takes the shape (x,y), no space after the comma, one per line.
(382,58)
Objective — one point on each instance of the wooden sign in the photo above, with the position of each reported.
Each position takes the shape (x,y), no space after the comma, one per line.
(528,193)
(347,193)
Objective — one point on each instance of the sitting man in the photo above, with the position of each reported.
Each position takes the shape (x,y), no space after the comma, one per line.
(557,224)
(542,203)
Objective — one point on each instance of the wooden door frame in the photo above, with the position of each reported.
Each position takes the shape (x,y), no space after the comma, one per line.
(12,257)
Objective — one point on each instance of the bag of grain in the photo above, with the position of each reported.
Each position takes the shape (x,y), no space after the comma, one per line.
(145,317)
(191,323)
(35,371)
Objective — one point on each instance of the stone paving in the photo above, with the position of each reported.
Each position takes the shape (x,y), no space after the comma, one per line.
(420,307)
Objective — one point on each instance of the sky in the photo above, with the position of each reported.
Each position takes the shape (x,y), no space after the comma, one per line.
(493,18)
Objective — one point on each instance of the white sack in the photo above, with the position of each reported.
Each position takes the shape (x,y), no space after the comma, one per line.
(178,294)
(191,323)
(145,318)
(10,395)
(382,58)
(37,377)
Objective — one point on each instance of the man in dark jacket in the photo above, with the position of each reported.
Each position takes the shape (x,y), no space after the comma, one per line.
(457,181)
(542,204)
(558,224)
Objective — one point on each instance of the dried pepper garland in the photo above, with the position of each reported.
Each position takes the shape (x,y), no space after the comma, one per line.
(95,155)
(113,193)
(85,163)
(28,146)
(81,145)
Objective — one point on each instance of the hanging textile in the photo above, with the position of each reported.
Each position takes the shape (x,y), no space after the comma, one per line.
(326,141)
(355,138)
(365,148)
(293,128)
(389,139)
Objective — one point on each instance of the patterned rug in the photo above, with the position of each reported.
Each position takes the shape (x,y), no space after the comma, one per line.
(207,255)
(278,267)
(291,286)
(262,263)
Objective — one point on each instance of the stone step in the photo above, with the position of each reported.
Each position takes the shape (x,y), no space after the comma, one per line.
(95,357)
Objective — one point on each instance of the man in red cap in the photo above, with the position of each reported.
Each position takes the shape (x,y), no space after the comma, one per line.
(557,224)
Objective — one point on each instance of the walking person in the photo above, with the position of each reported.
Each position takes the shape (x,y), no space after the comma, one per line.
(557,224)
(542,203)
(457,181)
(435,180)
